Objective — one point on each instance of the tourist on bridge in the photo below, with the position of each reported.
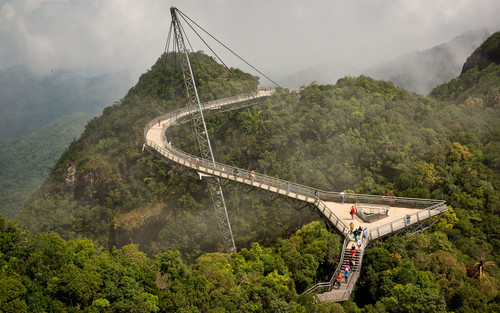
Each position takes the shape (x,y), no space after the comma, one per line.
(353,250)
(196,162)
(342,197)
(352,212)
(287,188)
(365,233)
(346,273)
(351,227)
(355,234)
(235,172)
(339,280)
(316,196)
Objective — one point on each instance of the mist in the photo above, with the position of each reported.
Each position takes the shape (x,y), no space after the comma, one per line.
(280,38)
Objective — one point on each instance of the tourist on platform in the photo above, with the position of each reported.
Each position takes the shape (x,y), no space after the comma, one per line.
(351,227)
(352,212)
(342,197)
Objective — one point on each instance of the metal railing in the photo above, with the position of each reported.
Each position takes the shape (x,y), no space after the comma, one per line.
(329,284)
(405,221)
(369,213)
(289,189)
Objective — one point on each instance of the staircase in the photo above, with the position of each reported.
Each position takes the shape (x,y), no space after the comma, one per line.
(343,293)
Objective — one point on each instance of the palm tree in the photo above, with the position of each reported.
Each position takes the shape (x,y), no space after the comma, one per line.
(480,266)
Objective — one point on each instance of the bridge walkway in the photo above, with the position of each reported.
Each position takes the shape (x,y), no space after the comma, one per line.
(403,213)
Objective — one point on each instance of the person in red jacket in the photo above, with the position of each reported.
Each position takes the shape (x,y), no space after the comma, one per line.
(353,211)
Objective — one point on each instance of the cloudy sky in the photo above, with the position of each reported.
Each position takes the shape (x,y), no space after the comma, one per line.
(97,36)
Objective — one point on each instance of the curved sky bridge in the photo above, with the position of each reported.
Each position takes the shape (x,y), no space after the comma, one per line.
(403,214)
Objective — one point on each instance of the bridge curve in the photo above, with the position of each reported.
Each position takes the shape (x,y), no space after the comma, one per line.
(406,213)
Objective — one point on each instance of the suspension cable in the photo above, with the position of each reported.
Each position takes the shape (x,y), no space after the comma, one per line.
(283,129)
(184,16)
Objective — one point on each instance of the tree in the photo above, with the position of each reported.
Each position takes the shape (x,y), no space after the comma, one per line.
(480,267)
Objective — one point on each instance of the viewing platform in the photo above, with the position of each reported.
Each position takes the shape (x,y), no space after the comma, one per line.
(394,214)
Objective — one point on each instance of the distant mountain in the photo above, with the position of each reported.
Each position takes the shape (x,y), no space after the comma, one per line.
(487,53)
(29,101)
(421,71)
(25,162)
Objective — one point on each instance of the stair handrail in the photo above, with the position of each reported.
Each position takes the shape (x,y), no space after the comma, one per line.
(290,189)
(337,270)
(356,273)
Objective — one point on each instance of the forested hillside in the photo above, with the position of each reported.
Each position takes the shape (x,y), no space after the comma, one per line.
(485,55)
(106,188)
(423,70)
(31,100)
(44,273)
(25,162)
(365,135)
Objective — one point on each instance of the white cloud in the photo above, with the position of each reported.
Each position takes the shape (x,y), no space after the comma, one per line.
(275,36)
(7,12)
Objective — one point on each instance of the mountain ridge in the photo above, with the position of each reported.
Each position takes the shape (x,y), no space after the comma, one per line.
(30,101)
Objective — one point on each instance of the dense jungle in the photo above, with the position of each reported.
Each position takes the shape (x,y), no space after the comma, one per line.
(115,229)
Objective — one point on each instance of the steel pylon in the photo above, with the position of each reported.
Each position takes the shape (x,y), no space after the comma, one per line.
(202,134)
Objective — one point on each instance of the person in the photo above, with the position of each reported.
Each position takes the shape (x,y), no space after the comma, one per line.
(351,264)
(287,188)
(347,268)
(316,196)
(346,273)
(342,197)
(252,175)
(339,280)
(365,233)
(235,172)
(351,227)
(196,162)
(352,212)
(353,250)
(355,234)
(359,243)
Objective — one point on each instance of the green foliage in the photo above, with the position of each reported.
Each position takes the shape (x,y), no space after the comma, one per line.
(25,162)
(46,273)
(486,54)
(365,135)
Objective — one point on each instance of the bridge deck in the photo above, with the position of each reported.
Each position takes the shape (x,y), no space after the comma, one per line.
(403,212)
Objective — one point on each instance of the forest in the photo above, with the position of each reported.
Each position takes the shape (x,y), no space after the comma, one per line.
(114,229)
